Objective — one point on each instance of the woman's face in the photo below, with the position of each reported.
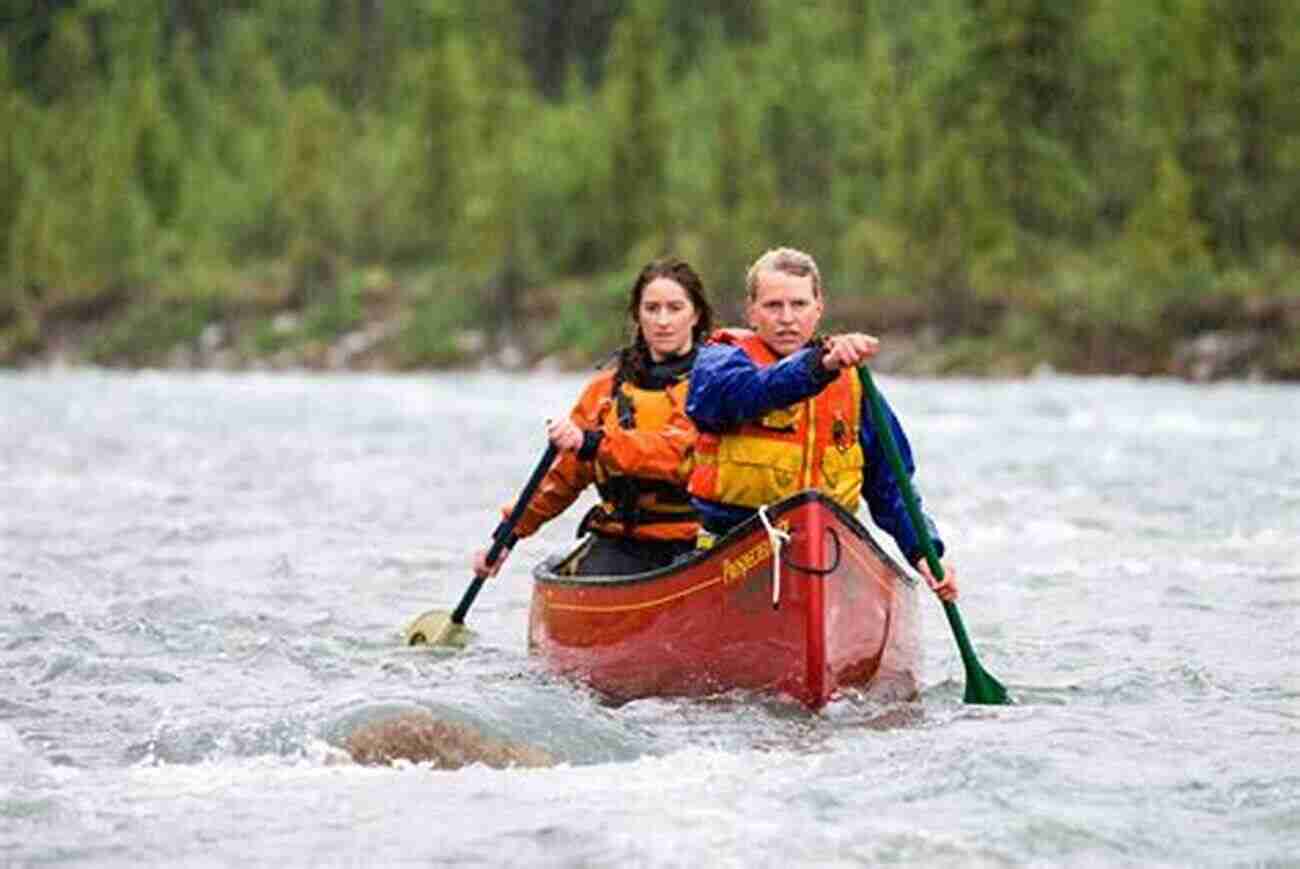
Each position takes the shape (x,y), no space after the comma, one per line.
(667,317)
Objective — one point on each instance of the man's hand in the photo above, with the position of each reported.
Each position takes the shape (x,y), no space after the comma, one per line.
(946,590)
(848,350)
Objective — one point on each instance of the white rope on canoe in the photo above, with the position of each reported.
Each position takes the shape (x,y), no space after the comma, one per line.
(777,537)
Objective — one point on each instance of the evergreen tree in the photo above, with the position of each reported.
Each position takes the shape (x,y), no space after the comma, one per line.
(639,130)
(495,238)
(1035,93)
(559,36)
(1250,197)
(15,117)
(1219,81)
(741,190)
(432,163)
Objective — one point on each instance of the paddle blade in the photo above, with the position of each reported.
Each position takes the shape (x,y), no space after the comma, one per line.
(435,628)
(983,689)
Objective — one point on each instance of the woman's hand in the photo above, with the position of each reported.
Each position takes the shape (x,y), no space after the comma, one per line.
(482,569)
(564,434)
(947,589)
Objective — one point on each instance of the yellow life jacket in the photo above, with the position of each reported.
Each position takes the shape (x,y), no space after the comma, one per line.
(810,445)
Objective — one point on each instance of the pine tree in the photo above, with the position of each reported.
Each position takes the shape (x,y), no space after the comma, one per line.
(639,129)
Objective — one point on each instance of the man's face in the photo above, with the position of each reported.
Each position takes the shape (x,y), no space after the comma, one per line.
(785,311)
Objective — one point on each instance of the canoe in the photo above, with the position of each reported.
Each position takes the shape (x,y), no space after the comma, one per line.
(839,613)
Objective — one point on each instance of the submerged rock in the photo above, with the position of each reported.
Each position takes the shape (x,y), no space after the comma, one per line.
(421,738)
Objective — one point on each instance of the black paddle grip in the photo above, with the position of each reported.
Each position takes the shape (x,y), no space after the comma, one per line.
(504,535)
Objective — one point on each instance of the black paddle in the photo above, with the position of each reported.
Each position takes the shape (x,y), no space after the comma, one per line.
(438,627)
(980,686)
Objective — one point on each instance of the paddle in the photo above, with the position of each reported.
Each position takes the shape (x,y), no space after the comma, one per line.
(980,686)
(437,627)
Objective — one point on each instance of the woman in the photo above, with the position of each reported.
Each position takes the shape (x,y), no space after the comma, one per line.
(629,434)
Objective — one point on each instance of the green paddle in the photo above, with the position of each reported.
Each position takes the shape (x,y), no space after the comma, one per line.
(438,627)
(980,686)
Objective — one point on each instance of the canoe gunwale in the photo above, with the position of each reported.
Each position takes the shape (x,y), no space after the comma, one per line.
(546,571)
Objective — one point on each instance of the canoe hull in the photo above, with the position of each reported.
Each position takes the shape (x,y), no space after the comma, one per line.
(844,616)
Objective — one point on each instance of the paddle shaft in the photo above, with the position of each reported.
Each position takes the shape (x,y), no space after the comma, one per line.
(884,431)
(501,537)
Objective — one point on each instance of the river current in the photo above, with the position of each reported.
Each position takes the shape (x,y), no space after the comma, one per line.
(203,578)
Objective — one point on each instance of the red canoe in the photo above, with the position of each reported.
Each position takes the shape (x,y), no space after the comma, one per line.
(845,615)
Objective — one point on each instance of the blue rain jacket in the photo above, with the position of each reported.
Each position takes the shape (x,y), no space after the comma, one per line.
(727,387)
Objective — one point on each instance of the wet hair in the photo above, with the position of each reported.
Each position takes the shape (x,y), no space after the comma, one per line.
(785,260)
(634,360)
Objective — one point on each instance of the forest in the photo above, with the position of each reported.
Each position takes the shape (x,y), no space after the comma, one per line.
(994,186)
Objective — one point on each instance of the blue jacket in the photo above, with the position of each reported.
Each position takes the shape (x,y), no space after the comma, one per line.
(727,387)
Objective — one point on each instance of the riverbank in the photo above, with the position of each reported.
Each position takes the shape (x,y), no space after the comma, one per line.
(374,322)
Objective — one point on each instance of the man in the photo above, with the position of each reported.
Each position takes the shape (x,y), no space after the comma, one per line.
(779,412)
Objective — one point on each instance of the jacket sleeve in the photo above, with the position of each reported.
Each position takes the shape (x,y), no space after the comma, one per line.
(569,476)
(727,388)
(881,492)
(656,455)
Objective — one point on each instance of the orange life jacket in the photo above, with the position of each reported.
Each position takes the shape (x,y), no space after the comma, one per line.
(810,445)
(640,468)
(640,506)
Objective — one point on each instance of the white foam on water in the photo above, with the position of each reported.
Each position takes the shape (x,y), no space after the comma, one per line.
(18,762)
(235,556)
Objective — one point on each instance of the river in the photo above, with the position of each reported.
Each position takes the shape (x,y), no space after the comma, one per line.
(205,576)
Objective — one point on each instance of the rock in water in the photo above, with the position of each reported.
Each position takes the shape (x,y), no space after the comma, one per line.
(421,738)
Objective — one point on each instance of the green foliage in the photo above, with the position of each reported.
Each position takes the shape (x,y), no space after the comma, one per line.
(1079,169)
(441,327)
(19,337)
(1165,240)
(413,191)
(16,116)
(149,332)
(640,135)
(799,126)
(495,236)
(565,175)
(269,337)
(335,310)
(729,189)
(305,180)
(1286,363)
(591,322)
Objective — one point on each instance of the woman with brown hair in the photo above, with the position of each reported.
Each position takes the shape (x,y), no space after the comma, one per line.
(630,436)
